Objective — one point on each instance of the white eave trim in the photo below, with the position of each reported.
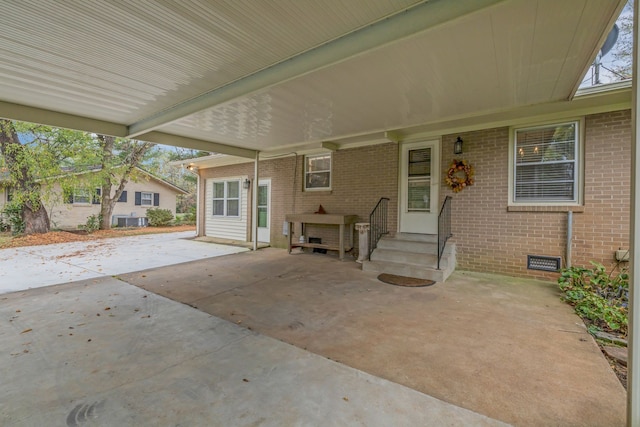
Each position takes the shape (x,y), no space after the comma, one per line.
(603,88)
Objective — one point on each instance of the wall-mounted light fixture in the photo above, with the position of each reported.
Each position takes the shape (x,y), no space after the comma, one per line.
(246,184)
(457,146)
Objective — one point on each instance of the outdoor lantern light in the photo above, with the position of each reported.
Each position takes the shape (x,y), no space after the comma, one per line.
(246,184)
(457,146)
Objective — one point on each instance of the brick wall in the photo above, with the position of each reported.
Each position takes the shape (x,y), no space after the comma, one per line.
(360,176)
(491,238)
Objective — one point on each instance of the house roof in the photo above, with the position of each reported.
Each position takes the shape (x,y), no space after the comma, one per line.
(71,170)
(140,170)
(244,76)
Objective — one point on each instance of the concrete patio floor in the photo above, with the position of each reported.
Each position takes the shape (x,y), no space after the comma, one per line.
(503,347)
(101,352)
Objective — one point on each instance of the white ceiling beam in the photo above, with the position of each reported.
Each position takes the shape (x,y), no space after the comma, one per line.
(393,136)
(197,144)
(41,116)
(329,145)
(419,18)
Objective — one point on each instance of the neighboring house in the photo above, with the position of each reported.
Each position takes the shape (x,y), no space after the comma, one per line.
(72,208)
(532,167)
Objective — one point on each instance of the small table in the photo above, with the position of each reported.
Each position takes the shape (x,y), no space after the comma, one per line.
(339,220)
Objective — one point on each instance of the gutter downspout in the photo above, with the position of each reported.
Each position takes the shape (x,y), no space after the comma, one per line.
(569,238)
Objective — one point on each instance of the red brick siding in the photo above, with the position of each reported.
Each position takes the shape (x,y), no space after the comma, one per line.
(360,176)
(490,238)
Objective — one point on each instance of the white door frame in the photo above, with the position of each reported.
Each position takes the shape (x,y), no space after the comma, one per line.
(264,233)
(423,222)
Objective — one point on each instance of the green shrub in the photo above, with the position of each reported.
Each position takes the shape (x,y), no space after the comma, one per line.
(187,218)
(5,225)
(600,297)
(159,217)
(13,213)
(190,217)
(92,224)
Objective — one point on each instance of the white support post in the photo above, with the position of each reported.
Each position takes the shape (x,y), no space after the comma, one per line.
(254,203)
(633,376)
(198,197)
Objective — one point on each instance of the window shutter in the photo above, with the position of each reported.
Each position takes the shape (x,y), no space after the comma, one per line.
(138,198)
(68,195)
(96,197)
(156,199)
(123,197)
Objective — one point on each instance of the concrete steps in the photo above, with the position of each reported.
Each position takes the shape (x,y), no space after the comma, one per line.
(412,255)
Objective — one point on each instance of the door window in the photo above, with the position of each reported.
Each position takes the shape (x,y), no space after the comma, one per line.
(419,180)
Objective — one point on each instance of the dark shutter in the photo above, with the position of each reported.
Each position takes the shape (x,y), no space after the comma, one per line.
(68,195)
(96,197)
(123,197)
(138,198)
(156,199)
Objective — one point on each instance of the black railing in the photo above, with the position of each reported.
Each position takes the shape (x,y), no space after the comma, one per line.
(378,223)
(444,227)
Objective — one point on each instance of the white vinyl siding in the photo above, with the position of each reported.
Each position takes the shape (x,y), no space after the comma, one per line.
(546,164)
(226,209)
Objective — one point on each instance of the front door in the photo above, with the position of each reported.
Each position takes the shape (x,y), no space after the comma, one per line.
(419,181)
(264,210)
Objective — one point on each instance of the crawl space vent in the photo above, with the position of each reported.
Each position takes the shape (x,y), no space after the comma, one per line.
(544,263)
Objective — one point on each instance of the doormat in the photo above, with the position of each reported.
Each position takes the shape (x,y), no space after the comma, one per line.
(410,282)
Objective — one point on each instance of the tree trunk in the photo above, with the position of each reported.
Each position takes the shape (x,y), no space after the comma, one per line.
(36,221)
(26,189)
(107,203)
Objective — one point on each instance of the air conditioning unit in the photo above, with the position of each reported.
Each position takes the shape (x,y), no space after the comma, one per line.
(129,221)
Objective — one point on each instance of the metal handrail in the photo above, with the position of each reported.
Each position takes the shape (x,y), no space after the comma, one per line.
(444,226)
(378,223)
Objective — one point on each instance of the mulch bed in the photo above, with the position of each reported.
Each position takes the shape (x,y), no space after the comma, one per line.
(65,237)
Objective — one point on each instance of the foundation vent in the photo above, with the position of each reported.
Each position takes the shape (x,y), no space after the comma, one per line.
(544,263)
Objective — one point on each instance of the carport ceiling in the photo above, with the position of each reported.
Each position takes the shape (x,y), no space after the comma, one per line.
(244,75)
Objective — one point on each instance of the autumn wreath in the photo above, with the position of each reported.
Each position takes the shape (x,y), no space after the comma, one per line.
(459,175)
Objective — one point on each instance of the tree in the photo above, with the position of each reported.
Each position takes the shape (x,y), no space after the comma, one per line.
(35,157)
(622,53)
(26,189)
(119,159)
(159,165)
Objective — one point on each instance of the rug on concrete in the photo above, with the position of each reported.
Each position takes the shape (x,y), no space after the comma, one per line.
(410,282)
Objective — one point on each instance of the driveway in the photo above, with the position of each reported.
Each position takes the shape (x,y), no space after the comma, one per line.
(36,266)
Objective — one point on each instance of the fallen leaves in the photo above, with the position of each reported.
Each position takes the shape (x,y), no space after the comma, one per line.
(66,237)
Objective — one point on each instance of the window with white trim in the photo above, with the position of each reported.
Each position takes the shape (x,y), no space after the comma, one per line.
(546,164)
(146,199)
(226,198)
(317,172)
